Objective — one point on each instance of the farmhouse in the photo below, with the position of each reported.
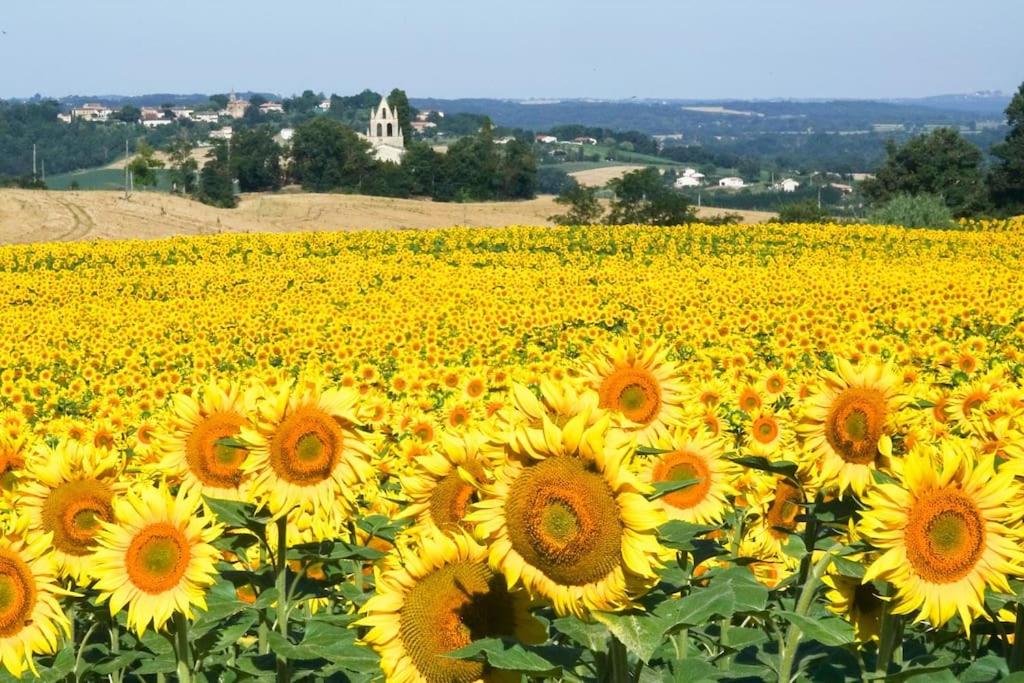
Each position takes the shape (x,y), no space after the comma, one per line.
(183,113)
(419,125)
(207,117)
(546,139)
(788,185)
(585,140)
(92,112)
(325,105)
(385,134)
(271,108)
(223,133)
(731,182)
(687,181)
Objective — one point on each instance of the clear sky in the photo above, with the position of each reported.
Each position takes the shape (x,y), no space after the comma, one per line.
(514,48)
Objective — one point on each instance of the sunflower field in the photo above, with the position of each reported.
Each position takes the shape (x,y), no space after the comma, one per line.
(775,452)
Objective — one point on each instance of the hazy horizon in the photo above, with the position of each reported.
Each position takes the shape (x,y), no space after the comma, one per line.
(449,49)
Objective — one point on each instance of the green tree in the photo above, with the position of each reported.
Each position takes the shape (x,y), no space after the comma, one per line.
(387,180)
(400,101)
(302,104)
(423,166)
(220,101)
(642,197)
(806,211)
(940,163)
(216,186)
(256,160)
(920,211)
(1006,181)
(584,206)
(183,166)
(128,114)
(471,168)
(518,171)
(327,155)
(144,165)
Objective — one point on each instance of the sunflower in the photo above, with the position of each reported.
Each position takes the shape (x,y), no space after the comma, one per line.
(444,482)
(31,619)
(768,433)
(158,558)
(306,452)
(775,506)
(848,424)
(68,493)
(641,387)
(520,425)
(700,458)
(438,599)
(946,533)
(571,526)
(857,602)
(200,444)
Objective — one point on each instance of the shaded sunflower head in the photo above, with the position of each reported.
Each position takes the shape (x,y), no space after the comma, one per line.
(437,598)
(700,459)
(859,603)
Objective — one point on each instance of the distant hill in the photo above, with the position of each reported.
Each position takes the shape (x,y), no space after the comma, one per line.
(989,103)
(699,118)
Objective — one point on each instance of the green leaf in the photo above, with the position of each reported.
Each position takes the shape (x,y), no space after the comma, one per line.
(849,568)
(235,513)
(679,535)
(508,656)
(750,595)
(642,634)
(63,665)
(794,547)
(591,636)
(693,669)
(831,631)
(663,488)
(716,600)
(757,462)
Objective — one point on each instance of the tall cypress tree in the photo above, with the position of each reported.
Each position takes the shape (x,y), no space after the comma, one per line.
(1006,181)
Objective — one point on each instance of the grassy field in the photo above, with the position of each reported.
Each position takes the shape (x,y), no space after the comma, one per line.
(107,178)
(33,216)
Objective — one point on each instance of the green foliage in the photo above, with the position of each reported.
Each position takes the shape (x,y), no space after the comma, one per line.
(941,163)
(584,206)
(256,160)
(806,211)
(327,155)
(184,168)
(1006,181)
(641,197)
(143,166)
(920,211)
(216,185)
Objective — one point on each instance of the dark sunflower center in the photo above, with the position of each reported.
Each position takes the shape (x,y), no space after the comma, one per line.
(306,446)
(213,453)
(73,512)
(447,610)
(855,423)
(632,397)
(450,501)
(632,391)
(563,519)
(17,594)
(945,536)
(684,466)
(157,558)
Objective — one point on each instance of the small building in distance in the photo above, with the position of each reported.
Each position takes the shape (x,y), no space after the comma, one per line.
(546,139)
(384,133)
(788,185)
(271,108)
(690,177)
(584,140)
(92,111)
(184,113)
(206,117)
(223,133)
(325,105)
(236,107)
(731,182)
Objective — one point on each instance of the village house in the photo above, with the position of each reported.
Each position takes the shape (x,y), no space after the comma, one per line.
(271,108)
(184,113)
(842,187)
(420,126)
(64,118)
(546,139)
(92,112)
(325,105)
(731,182)
(223,133)
(583,140)
(788,185)
(687,181)
(206,117)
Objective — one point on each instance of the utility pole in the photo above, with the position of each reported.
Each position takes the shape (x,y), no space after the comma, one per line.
(126,168)
(43,162)
(33,162)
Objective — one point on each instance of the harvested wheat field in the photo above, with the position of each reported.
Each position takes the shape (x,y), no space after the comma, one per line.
(34,216)
(599,177)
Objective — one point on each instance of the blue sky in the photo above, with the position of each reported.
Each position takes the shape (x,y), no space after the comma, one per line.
(527,48)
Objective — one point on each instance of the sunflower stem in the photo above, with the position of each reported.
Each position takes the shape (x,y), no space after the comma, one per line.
(787,656)
(618,662)
(810,540)
(115,647)
(886,640)
(182,651)
(1016,659)
(281,582)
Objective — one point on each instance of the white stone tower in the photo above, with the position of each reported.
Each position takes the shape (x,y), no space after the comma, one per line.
(384,128)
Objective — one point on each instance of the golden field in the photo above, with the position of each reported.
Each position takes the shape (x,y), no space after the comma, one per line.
(31,216)
(757,451)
